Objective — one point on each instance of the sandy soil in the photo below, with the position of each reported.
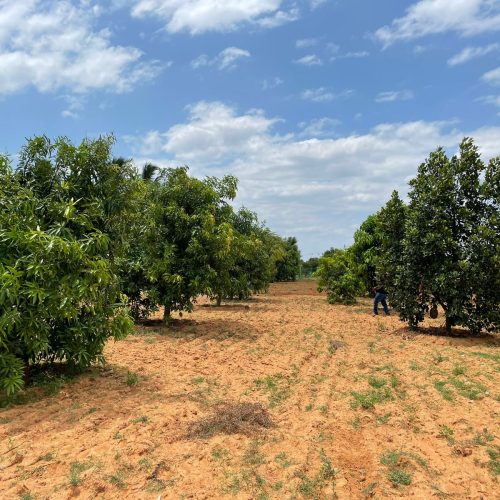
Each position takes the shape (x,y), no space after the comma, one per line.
(361,407)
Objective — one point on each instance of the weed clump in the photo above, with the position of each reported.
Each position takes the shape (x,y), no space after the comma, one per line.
(232,418)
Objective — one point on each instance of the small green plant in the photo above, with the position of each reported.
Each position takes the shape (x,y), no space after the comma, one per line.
(376,382)
(75,471)
(439,358)
(415,366)
(220,454)
(282,460)
(48,457)
(278,388)
(440,386)
(369,399)
(459,369)
(118,479)
(309,407)
(447,433)
(383,419)
(494,463)
(27,496)
(399,477)
(117,435)
(131,379)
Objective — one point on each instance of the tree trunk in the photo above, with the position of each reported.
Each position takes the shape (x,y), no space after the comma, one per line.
(219,300)
(449,324)
(166,314)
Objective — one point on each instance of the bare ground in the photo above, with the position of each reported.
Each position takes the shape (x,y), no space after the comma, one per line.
(351,406)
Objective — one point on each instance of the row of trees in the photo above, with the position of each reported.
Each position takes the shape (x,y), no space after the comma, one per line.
(87,244)
(440,249)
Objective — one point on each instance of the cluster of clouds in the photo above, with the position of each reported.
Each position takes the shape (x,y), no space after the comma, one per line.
(53,46)
(331,52)
(225,59)
(327,176)
(467,18)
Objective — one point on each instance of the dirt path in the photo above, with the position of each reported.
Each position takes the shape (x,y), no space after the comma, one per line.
(362,409)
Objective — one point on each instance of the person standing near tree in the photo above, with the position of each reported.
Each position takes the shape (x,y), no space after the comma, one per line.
(380,297)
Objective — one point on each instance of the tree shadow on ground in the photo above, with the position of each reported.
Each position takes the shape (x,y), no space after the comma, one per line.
(209,329)
(459,336)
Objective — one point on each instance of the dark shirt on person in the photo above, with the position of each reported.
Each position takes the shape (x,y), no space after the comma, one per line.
(380,289)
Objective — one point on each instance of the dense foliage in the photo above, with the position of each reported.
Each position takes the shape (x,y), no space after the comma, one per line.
(336,274)
(61,218)
(442,249)
(451,248)
(288,265)
(85,241)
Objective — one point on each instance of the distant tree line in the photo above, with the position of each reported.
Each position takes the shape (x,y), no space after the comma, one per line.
(440,249)
(88,244)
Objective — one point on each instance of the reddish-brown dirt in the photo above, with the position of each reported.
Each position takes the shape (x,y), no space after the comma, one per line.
(361,407)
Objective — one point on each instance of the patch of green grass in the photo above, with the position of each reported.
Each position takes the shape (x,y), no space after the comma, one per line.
(118,479)
(487,355)
(447,433)
(440,386)
(377,382)
(145,464)
(75,471)
(494,463)
(156,485)
(459,369)
(131,379)
(356,423)
(313,487)
(383,419)
(439,358)
(277,387)
(399,477)
(415,366)
(141,420)
(27,496)
(220,454)
(198,380)
(48,457)
(253,455)
(117,435)
(468,388)
(369,399)
(309,407)
(481,439)
(282,460)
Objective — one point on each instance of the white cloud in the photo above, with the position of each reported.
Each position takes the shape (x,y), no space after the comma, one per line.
(200,16)
(323,94)
(492,77)
(272,83)
(52,45)
(351,55)
(469,53)
(309,60)
(490,99)
(317,3)
(306,42)
(394,95)
(319,127)
(427,17)
(226,59)
(328,183)
(279,18)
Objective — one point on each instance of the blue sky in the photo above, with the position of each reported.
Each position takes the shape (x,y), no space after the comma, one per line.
(320,108)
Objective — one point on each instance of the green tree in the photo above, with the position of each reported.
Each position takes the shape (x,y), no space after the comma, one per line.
(336,274)
(62,214)
(288,266)
(451,245)
(366,251)
(183,246)
(391,222)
